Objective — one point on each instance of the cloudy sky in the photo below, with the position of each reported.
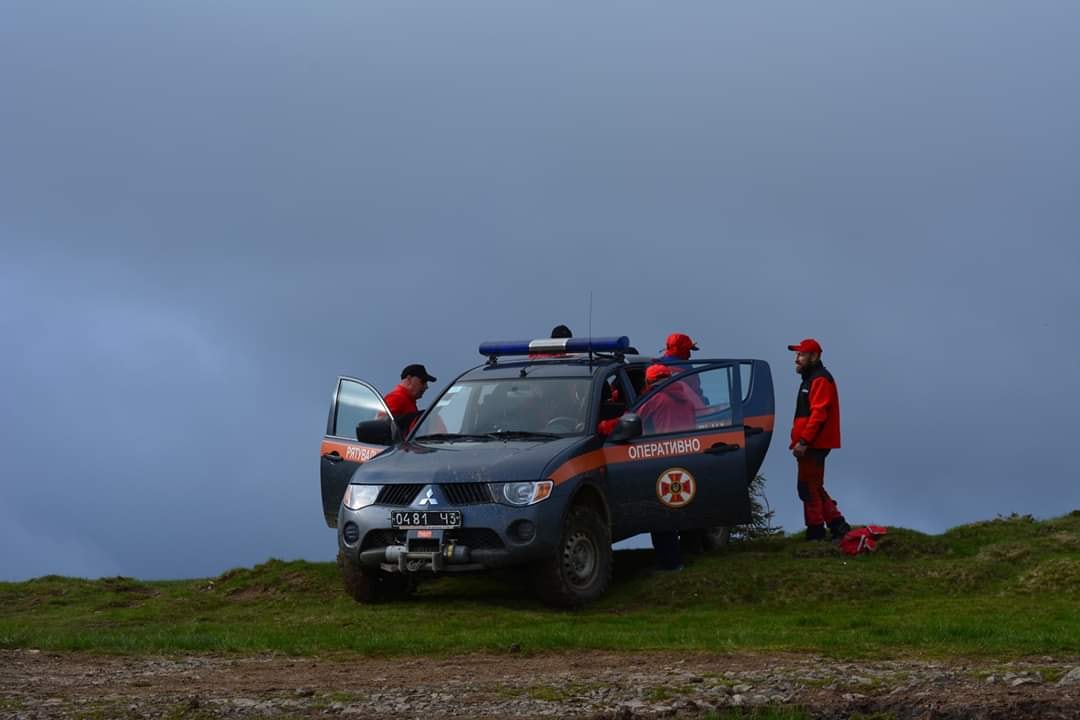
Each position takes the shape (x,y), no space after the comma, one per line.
(210,209)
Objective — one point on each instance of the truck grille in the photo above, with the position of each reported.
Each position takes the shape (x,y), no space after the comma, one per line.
(467,493)
(401,495)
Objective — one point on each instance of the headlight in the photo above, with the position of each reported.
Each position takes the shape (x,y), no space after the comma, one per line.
(360,496)
(524,493)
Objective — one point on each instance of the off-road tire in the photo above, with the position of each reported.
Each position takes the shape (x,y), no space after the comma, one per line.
(371,585)
(580,570)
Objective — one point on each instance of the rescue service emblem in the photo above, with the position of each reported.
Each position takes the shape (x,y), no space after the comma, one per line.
(676,487)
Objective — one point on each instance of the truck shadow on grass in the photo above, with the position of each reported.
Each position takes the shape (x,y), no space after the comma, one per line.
(513,588)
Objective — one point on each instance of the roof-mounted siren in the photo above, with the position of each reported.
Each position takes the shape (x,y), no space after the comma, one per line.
(555,346)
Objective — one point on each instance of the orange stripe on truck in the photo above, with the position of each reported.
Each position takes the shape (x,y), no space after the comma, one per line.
(352,451)
(643,450)
(762,421)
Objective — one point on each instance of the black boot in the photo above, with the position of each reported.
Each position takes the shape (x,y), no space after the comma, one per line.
(815,532)
(839,528)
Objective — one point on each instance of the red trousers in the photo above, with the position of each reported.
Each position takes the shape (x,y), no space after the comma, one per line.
(818,507)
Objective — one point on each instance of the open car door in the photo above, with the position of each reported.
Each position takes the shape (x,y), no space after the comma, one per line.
(688,470)
(354,401)
(759,412)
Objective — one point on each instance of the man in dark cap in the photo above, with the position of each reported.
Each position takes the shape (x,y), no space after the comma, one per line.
(402,399)
(814,432)
(561,331)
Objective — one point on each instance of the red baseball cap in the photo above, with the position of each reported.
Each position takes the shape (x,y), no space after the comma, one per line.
(809,345)
(657,371)
(680,343)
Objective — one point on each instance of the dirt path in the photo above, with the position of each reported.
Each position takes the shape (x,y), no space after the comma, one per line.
(581,685)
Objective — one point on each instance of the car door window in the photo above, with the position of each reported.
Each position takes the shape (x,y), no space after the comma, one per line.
(715,391)
(746,374)
(689,401)
(356,402)
(613,397)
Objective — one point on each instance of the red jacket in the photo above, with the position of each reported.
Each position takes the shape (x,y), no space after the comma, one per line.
(817,411)
(400,402)
(693,382)
(670,410)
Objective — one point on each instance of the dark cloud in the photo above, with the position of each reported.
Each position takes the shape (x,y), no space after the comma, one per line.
(209,211)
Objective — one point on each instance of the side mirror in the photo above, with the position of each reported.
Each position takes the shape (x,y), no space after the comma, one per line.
(377,432)
(628,428)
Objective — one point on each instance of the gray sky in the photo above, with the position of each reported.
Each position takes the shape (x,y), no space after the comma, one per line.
(209,210)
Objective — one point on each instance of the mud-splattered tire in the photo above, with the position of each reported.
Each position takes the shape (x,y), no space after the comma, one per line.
(370,585)
(580,570)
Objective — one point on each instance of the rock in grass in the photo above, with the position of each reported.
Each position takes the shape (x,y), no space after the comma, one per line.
(1070,678)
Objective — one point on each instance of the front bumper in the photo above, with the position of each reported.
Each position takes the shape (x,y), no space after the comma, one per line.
(491,536)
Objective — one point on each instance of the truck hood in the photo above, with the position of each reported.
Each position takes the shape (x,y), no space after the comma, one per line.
(491,461)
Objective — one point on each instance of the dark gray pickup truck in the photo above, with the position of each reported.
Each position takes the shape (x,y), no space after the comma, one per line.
(545,455)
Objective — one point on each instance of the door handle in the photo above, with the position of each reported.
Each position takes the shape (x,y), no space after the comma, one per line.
(334,457)
(752,430)
(721,448)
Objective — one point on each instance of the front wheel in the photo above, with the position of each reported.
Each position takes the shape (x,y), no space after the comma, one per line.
(371,585)
(580,570)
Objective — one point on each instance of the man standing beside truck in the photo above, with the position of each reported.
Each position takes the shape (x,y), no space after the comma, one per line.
(402,399)
(814,432)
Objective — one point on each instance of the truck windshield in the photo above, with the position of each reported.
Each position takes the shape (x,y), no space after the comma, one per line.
(522,407)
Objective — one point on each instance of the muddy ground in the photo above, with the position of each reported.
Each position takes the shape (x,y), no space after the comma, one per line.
(591,685)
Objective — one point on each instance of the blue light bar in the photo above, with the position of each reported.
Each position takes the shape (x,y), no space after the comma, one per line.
(555,345)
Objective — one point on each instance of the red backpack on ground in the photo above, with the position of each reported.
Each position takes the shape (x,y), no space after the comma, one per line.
(862,540)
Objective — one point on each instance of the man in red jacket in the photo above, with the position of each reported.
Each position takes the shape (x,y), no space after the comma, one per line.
(670,410)
(402,399)
(816,431)
(678,347)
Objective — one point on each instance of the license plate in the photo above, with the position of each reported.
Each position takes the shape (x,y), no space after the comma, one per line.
(425,519)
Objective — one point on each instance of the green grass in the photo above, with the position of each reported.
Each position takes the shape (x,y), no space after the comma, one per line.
(1006,587)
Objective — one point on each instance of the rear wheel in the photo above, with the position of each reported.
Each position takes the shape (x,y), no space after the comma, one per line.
(580,570)
(371,585)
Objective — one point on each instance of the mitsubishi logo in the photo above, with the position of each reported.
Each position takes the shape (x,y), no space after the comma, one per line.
(428,499)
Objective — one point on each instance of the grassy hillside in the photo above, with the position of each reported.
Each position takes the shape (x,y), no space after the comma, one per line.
(1010,586)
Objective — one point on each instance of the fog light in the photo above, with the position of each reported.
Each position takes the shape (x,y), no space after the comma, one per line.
(351,533)
(522,530)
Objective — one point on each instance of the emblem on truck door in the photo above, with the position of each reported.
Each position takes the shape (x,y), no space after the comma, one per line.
(676,487)
(428,499)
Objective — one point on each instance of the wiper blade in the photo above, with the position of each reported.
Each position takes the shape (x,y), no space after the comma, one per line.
(451,437)
(523,435)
